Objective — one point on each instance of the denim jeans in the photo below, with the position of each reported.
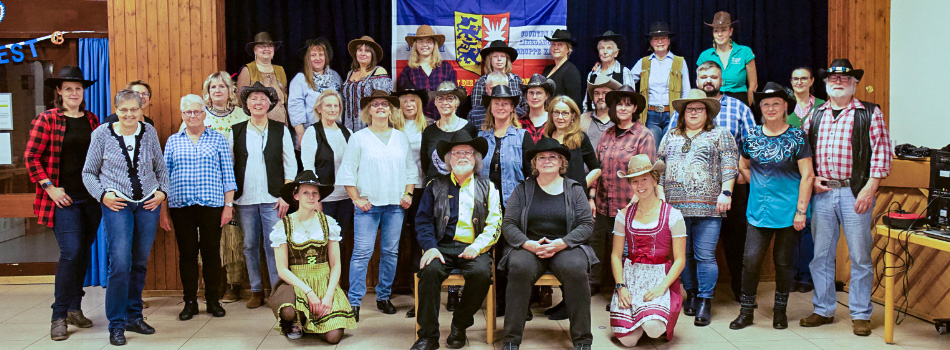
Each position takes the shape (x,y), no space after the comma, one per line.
(75,228)
(757,243)
(257,221)
(701,272)
(657,123)
(803,255)
(834,208)
(130,232)
(388,220)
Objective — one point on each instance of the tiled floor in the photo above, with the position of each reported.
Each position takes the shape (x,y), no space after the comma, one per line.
(25,312)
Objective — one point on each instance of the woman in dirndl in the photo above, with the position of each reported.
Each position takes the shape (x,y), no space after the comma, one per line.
(647,294)
(308,298)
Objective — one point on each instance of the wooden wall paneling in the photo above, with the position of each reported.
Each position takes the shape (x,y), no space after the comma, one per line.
(174,54)
(184,43)
(117,42)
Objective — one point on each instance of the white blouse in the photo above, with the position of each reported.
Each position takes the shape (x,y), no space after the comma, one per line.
(308,153)
(415,144)
(675,220)
(380,172)
(303,233)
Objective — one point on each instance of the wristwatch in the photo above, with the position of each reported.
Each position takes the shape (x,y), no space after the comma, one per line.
(229,204)
(46,184)
(620,285)
(727,193)
(799,212)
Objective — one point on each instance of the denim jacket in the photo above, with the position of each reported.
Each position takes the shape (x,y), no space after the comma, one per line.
(512,170)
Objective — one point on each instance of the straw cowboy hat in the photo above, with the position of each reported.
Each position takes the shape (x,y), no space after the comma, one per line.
(603,80)
(425,31)
(698,95)
(640,164)
(261,38)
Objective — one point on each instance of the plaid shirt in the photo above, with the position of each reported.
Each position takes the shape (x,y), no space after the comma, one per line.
(42,156)
(833,151)
(199,174)
(430,82)
(477,114)
(734,115)
(614,152)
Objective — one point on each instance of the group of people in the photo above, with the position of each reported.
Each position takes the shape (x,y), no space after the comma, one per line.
(601,185)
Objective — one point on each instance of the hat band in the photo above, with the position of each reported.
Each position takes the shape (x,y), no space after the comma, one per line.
(643,168)
(839,70)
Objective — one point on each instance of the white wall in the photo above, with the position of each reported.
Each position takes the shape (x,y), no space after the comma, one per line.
(920,72)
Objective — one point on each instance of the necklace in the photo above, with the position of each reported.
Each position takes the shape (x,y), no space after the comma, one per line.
(259,129)
(306,228)
(689,141)
(220,112)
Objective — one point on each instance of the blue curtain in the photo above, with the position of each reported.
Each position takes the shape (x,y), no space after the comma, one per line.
(94,62)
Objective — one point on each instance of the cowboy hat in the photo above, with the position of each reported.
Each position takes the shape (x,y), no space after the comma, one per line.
(841,66)
(640,164)
(365,40)
(305,49)
(393,100)
(499,45)
(547,144)
(538,80)
(480,144)
(697,95)
(500,91)
(68,73)
(722,19)
(457,91)
(307,177)
(618,39)
(602,80)
(562,35)
(258,87)
(773,89)
(261,38)
(425,31)
(615,96)
(410,89)
(659,29)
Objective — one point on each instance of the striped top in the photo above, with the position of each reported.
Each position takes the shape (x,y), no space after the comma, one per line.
(110,168)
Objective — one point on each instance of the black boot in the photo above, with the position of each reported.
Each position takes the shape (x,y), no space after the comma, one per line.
(746,312)
(779,318)
(703,312)
(189,311)
(689,306)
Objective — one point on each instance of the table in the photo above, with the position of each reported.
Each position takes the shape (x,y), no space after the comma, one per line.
(902,236)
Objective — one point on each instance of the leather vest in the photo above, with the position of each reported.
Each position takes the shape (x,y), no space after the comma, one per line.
(860,143)
(273,156)
(440,209)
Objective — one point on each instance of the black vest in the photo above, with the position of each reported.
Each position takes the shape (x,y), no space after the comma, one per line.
(323,161)
(860,144)
(440,209)
(273,156)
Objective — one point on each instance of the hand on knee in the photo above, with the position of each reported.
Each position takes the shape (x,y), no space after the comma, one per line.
(287,313)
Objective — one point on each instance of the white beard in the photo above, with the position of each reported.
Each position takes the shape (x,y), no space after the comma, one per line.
(464,169)
(849,91)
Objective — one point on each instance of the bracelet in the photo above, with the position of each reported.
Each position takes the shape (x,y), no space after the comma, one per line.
(311,291)
(408,194)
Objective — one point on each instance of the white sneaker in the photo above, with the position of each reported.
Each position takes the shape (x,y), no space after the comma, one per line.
(296,332)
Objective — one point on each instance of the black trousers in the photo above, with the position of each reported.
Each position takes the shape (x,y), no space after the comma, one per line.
(601,240)
(570,266)
(477,274)
(198,228)
(733,235)
(783,254)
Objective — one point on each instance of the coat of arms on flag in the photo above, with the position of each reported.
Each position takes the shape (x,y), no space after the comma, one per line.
(472,32)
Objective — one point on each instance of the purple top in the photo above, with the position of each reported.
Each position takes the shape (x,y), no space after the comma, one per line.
(430,82)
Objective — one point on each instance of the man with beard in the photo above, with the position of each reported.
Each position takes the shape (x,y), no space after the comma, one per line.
(458,221)
(597,121)
(852,155)
(736,117)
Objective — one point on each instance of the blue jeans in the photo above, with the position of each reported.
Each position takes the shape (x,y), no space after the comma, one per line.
(803,255)
(75,228)
(388,220)
(701,272)
(832,211)
(657,123)
(130,232)
(257,222)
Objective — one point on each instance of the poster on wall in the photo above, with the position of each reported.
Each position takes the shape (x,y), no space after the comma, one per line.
(470,25)
(6,111)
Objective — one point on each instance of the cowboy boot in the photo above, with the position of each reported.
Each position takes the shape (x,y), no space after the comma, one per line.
(779,318)
(746,312)
(703,312)
(689,306)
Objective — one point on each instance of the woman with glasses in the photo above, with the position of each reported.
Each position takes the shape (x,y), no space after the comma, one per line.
(145,93)
(447,98)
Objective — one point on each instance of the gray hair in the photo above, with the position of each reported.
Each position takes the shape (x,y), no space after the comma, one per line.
(496,78)
(707,65)
(125,95)
(477,169)
(190,99)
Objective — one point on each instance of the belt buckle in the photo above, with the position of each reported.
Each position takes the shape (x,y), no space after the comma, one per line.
(659,109)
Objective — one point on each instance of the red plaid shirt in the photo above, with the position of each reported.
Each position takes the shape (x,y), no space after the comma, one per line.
(42,156)
(833,151)
(614,153)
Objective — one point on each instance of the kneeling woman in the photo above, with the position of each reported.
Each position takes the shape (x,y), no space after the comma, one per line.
(647,297)
(547,225)
(308,298)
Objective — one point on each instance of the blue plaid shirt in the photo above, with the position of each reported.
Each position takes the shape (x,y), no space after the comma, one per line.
(734,115)
(200,174)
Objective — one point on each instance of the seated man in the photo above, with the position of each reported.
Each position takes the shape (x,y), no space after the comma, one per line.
(458,221)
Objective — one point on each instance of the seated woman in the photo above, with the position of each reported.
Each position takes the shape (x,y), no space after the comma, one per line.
(308,297)
(647,295)
(546,227)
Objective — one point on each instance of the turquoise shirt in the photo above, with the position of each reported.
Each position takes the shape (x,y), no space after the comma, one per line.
(773,190)
(734,76)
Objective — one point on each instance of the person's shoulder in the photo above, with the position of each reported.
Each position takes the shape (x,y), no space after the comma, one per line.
(380,71)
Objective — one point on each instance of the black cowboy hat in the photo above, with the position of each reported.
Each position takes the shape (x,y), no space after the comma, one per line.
(562,35)
(538,80)
(457,91)
(305,49)
(615,96)
(261,38)
(841,66)
(773,89)
(393,100)
(547,144)
(306,177)
(618,39)
(659,29)
(410,89)
(68,73)
(499,45)
(500,91)
(258,87)
(480,144)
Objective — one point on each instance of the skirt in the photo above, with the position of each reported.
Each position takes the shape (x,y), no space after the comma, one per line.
(317,277)
(232,253)
(640,278)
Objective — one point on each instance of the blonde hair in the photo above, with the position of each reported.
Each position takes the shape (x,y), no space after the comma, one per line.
(574,135)
(355,66)
(395,116)
(308,69)
(323,97)
(421,121)
(435,59)
(487,68)
(489,123)
(226,79)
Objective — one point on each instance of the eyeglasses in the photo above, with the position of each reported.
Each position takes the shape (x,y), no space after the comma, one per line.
(462,153)
(128,110)
(145,94)
(838,78)
(561,114)
(194,113)
(695,110)
(446,99)
(542,159)
(800,79)
(379,104)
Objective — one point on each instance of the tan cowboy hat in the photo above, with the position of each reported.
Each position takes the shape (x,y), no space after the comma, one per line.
(425,31)
(368,41)
(457,91)
(603,80)
(722,19)
(261,38)
(393,100)
(640,164)
(697,95)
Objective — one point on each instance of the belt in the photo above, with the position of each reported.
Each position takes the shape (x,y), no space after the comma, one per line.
(834,184)
(659,109)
